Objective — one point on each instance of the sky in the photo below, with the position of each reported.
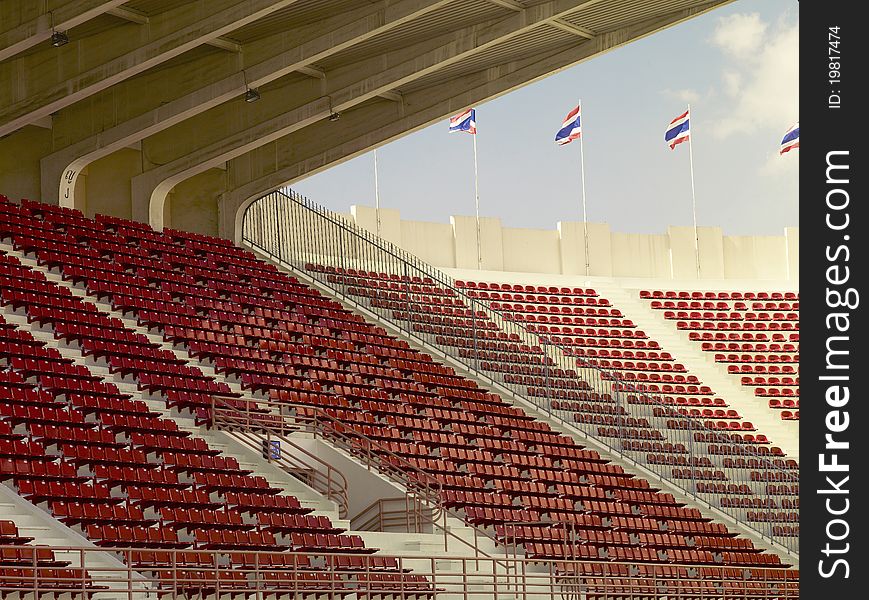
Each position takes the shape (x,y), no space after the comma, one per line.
(737,66)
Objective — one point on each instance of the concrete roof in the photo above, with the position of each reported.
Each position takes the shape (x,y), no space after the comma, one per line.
(167,78)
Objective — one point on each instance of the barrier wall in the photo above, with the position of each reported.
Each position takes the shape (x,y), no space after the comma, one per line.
(670,255)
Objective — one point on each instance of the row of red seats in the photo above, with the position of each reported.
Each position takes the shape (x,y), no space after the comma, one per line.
(733,316)
(759,358)
(757,337)
(708,305)
(506,287)
(736,326)
(657,294)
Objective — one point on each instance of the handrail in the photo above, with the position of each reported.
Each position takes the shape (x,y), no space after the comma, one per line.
(328,427)
(410,513)
(329,481)
(298,233)
(368,451)
(266,573)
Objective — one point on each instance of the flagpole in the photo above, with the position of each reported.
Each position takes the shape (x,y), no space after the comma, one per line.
(693,194)
(584,214)
(376,194)
(477,206)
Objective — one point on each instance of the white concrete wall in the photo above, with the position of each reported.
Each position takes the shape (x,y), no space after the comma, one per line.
(432,242)
(671,255)
(640,255)
(364,486)
(190,206)
(390,222)
(20,153)
(104,190)
(531,250)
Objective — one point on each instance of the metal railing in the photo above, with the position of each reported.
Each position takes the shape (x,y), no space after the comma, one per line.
(622,416)
(253,427)
(420,487)
(403,513)
(179,573)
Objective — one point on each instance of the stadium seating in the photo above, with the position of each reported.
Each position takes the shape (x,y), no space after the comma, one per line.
(755,335)
(287,344)
(74,420)
(589,327)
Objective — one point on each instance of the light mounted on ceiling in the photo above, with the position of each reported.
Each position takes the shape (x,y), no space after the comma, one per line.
(251,95)
(59,38)
(333,115)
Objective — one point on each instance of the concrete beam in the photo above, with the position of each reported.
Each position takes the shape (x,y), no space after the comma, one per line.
(511,4)
(310,71)
(392,96)
(128,14)
(281,163)
(346,90)
(44,122)
(318,73)
(134,16)
(225,44)
(335,34)
(66,16)
(557,23)
(55,81)
(573,29)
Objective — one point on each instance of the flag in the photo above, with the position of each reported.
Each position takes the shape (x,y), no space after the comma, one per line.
(464,121)
(570,128)
(677,131)
(791,139)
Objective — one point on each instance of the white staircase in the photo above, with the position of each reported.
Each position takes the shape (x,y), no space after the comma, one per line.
(783,434)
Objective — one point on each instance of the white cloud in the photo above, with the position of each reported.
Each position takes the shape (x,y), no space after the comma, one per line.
(732,82)
(685,95)
(740,35)
(777,165)
(761,83)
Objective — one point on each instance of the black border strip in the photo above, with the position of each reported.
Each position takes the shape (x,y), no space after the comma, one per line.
(832,279)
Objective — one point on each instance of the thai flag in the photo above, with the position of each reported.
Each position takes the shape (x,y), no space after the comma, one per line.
(791,139)
(677,131)
(464,121)
(570,128)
